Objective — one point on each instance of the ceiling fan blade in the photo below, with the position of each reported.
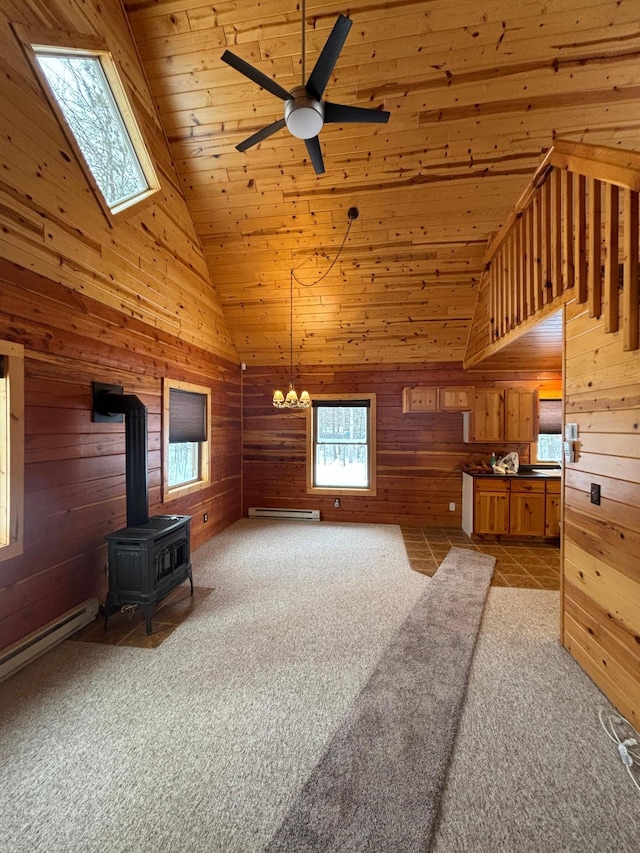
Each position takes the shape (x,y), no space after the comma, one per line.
(319,77)
(261,134)
(313,147)
(255,75)
(340,113)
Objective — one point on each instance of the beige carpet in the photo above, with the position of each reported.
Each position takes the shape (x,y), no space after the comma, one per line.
(204,743)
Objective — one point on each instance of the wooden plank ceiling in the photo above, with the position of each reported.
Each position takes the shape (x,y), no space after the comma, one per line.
(477,92)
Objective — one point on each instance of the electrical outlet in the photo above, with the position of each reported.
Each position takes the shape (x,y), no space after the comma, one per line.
(595,493)
(452,507)
(205,517)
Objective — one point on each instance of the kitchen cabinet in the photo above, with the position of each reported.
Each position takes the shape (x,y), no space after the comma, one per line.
(457,398)
(511,506)
(521,415)
(499,415)
(487,416)
(552,509)
(491,511)
(527,508)
(419,400)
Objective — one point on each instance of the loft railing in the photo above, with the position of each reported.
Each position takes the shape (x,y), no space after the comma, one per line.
(572,234)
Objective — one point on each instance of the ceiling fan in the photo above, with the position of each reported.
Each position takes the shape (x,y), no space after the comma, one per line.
(305,112)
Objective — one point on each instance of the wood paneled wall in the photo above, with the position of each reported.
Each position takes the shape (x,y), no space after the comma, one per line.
(601,600)
(419,456)
(149,266)
(75,469)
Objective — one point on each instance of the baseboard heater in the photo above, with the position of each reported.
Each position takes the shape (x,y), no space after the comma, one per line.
(22,652)
(272,512)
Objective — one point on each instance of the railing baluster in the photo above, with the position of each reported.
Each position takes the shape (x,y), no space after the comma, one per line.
(611,224)
(537,250)
(580,236)
(546,242)
(506,284)
(492,285)
(497,261)
(567,230)
(630,309)
(529,262)
(516,305)
(595,233)
(556,234)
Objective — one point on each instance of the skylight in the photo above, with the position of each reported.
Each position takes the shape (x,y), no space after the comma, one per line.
(93,103)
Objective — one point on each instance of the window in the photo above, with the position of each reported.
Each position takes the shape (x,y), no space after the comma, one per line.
(341,449)
(11,449)
(185,425)
(550,431)
(86,93)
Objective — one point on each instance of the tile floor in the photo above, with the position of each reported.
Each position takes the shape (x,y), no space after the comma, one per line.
(531,565)
(128,628)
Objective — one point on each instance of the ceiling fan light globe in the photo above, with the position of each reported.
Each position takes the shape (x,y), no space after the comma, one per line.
(303,115)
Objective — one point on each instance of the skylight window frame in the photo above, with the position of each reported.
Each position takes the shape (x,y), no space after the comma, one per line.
(92,47)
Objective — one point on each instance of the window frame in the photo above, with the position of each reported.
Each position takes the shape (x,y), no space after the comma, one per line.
(371,489)
(12,452)
(56,43)
(204,479)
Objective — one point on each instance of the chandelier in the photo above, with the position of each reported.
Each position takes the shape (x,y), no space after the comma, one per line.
(290,400)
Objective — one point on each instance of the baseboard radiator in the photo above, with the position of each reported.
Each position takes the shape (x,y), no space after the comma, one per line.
(18,655)
(272,512)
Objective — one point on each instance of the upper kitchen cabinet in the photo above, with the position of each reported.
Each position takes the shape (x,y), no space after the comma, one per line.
(419,400)
(521,415)
(455,398)
(502,415)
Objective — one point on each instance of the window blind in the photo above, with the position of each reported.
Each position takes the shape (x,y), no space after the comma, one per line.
(187,416)
(550,417)
(340,404)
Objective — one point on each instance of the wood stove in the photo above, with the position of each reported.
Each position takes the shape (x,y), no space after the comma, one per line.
(147,561)
(150,556)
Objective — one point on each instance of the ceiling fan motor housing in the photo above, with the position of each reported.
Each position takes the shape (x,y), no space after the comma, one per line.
(304,115)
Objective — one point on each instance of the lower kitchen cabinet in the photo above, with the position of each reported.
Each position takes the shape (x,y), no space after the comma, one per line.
(491,510)
(552,509)
(511,506)
(527,508)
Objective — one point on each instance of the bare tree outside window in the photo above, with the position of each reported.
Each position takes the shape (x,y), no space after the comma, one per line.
(82,90)
(342,450)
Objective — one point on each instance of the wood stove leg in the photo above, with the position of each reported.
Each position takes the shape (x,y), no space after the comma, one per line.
(191,582)
(148,610)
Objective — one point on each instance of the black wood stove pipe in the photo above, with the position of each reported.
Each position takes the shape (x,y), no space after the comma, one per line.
(135,432)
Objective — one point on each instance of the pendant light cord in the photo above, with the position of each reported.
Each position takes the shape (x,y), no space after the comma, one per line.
(333,262)
(291,318)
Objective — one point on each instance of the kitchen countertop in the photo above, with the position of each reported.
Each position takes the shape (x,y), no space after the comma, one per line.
(534,473)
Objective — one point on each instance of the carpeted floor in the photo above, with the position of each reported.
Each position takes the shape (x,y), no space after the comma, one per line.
(205,743)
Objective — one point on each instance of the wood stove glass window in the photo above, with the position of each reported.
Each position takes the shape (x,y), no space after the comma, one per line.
(186,437)
(11,449)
